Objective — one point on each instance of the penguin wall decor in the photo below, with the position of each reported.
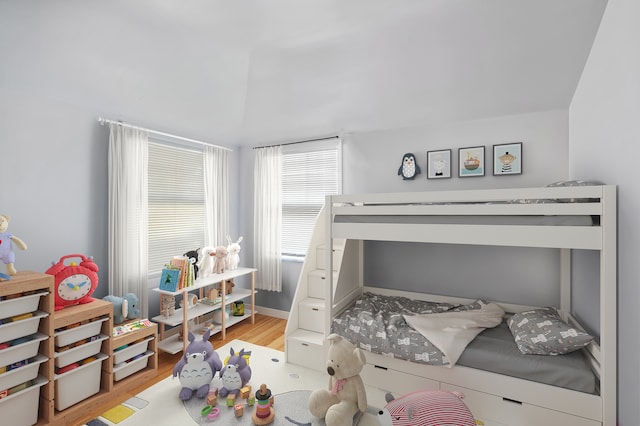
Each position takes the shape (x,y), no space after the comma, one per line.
(409,167)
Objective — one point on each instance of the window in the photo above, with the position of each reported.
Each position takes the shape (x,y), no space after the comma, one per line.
(176,203)
(310,171)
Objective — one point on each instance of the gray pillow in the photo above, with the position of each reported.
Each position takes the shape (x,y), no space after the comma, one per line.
(542,332)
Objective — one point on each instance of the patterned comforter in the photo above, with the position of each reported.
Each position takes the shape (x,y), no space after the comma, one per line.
(376,323)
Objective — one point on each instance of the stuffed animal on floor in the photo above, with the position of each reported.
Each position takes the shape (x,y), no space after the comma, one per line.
(235,374)
(6,245)
(346,394)
(126,307)
(427,408)
(221,260)
(197,367)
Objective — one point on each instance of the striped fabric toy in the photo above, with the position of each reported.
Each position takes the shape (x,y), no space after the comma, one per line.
(426,408)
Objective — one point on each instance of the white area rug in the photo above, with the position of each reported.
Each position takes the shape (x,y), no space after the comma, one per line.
(267,366)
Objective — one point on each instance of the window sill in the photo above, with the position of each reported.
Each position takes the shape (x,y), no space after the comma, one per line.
(292,259)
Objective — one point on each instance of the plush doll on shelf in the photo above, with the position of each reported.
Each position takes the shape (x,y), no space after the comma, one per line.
(345,395)
(193,255)
(207,260)
(126,307)
(426,407)
(197,367)
(221,259)
(233,253)
(235,374)
(7,241)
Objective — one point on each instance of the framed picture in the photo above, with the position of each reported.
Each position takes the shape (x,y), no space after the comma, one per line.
(507,159)
(439,164)
(471,161)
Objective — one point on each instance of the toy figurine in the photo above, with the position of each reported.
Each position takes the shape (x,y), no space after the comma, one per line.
(6,245)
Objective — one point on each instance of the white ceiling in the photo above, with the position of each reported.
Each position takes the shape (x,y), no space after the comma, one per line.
(254,72)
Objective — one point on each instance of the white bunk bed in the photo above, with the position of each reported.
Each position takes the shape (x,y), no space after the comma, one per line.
(550,217)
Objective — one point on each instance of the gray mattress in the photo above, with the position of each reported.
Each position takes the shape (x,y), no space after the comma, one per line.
(375,323)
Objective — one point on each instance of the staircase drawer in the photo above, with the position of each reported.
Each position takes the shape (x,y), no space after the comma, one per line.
(318,283)
(305,353)
(321,258)
(311,314)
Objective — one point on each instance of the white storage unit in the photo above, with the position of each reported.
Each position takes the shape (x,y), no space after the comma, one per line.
(84,331)
(79,352)
(27,300)
(21,407)
(311,313)
(78,384)
(131,366)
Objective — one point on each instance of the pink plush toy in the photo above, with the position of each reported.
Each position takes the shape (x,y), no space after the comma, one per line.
(221,259)
(427,408)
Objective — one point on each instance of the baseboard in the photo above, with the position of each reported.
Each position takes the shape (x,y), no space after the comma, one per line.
(276,313)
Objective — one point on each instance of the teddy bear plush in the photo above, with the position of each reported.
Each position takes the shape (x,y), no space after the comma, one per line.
(221,260)
(197,367)
(6,245)
(345,395)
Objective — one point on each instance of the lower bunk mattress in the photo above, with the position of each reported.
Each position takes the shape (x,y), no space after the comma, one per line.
(376,323)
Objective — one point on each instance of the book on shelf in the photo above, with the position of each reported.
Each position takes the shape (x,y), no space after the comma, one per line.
(170,278)
(119,330)
(181,262)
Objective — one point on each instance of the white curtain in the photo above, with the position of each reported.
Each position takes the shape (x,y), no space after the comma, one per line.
(267,217)
(128,201)
(216,194)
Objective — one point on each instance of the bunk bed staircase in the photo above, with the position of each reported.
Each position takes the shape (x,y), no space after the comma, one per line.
(308,322)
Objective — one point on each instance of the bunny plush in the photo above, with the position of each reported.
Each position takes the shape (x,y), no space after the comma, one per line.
(233,253)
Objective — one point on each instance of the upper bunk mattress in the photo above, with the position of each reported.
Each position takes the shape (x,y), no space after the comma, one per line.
(376,323)
(525,220)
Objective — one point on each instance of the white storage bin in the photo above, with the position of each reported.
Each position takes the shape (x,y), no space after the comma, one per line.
(21,408)
(130,351)
(22,328)
(129,368)
(78,384)
(311,314)
(21,374)
(78,353)
(318,283)
(321,260)
(20,305)
(72,335)
(394,381)
(22,351)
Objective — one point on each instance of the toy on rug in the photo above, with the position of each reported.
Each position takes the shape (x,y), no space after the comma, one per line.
(221,260)
(264,412)
(7,241)
(427,408)
(233,253)
(235,374)
(346,394)
(126,307)
(207,259)
(193,255)
(197,367)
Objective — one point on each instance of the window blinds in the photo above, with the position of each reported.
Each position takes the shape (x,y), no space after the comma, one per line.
(310,171)
(176,203)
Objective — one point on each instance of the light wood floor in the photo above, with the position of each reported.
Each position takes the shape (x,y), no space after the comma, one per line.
(267,331)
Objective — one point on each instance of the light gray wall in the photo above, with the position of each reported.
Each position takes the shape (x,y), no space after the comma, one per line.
(370,164)
(605,132)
